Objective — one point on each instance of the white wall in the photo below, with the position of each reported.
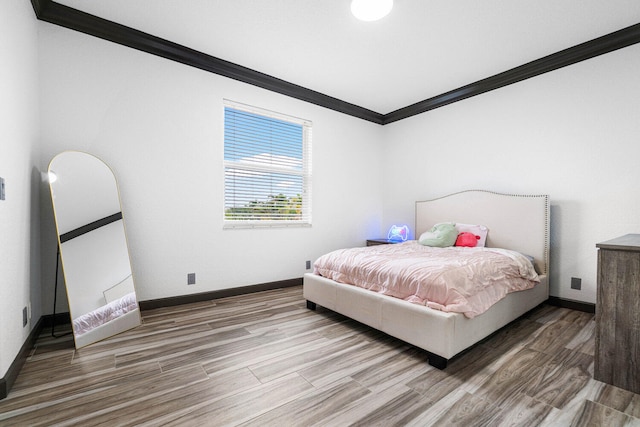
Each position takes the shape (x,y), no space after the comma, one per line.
(19,160)
(573,134)
(159,125)
(570,133)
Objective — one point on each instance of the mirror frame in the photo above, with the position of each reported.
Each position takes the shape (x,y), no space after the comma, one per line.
(80,257)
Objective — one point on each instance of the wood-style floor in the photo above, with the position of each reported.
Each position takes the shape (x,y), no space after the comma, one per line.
(265,360)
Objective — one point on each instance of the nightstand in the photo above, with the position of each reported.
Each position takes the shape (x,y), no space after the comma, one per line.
(374,242)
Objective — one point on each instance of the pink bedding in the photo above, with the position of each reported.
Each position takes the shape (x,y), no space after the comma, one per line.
(454,279)
(104,314)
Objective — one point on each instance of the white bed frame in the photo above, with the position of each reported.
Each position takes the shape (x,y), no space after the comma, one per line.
(113,327)
(128,320)
(516,222)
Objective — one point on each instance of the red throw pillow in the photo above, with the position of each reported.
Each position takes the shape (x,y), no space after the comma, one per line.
(467,239)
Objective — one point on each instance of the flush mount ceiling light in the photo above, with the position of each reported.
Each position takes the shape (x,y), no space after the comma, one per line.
(371,10)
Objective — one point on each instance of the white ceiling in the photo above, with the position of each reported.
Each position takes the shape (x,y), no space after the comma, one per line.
(420,50)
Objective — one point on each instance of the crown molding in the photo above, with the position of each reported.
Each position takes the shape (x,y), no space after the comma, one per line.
(599,46)
(67,17)
(73,19)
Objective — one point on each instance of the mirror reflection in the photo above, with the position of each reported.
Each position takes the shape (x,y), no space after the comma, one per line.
(93,247)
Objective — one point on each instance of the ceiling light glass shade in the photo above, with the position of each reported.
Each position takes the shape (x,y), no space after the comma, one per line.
(371,10)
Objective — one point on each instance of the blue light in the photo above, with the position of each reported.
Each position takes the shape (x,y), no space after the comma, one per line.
(398,233)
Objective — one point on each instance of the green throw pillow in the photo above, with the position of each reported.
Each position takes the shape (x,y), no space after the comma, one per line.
(441,235)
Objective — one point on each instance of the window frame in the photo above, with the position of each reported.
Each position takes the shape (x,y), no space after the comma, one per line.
(305,172)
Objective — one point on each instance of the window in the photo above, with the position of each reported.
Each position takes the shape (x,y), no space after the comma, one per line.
(267,168)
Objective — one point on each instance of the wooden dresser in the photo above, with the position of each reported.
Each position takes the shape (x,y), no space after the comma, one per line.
(617,352)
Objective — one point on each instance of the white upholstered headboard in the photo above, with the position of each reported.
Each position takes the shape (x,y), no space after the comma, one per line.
(516,222)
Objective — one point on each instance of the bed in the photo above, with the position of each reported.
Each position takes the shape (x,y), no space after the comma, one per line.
(515,222)
(119,313)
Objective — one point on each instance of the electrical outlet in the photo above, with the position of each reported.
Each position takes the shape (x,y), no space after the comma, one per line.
(25,318)
(191,278)
(308,265)
(576,283)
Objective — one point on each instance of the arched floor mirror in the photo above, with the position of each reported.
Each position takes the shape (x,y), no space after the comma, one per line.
(93,247)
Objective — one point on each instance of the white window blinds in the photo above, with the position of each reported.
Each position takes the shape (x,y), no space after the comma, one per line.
(267,166)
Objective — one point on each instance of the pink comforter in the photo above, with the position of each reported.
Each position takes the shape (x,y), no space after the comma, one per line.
(105,314)
(454,279)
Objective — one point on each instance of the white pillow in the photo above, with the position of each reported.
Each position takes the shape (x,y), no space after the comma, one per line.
(478,230)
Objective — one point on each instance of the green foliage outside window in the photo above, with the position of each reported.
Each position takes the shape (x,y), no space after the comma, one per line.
(279,207)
